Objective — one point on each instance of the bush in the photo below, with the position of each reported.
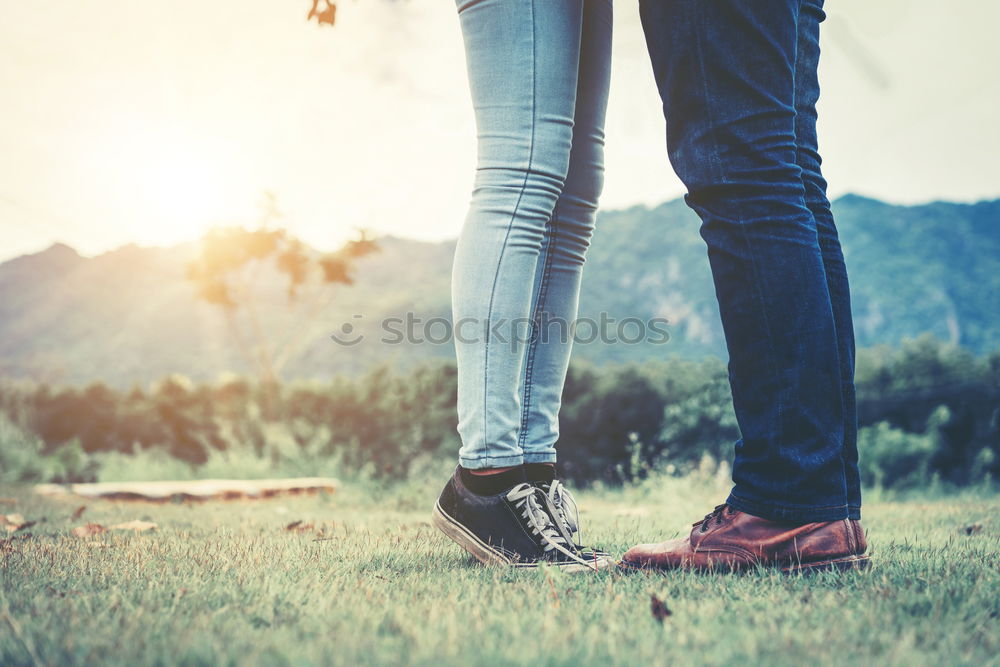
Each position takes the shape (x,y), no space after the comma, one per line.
(23,458)
(890,457)
(929,410)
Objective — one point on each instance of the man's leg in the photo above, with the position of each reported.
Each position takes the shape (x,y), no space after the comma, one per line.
(726,70)
(806,96)
(726,73)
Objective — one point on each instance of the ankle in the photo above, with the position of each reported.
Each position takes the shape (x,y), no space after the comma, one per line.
(540,473)
(491,481)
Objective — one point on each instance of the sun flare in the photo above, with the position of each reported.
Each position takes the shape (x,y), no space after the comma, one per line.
(169,185)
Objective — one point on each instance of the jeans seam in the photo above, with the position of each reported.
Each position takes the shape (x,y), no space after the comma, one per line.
(819,244)
(539,306)
(510,225)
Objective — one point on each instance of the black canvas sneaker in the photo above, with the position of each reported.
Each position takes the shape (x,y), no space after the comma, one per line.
(567,514)
(514,528)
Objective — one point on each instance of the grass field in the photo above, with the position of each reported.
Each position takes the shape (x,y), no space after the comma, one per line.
(364,579)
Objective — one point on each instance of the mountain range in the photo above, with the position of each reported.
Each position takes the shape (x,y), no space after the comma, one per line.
(131,315)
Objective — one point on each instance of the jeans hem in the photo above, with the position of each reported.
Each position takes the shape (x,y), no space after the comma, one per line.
(775,512)
(539,457)
(490,462)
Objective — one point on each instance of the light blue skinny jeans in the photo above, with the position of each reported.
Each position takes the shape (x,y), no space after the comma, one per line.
(539,72)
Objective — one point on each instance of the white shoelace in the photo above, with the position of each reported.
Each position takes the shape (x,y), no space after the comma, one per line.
(566,511)
(524,498)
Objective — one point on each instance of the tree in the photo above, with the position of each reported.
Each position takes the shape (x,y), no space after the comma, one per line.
(228,273)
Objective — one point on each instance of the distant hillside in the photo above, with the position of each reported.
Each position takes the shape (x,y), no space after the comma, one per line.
(914,269)
(131,316)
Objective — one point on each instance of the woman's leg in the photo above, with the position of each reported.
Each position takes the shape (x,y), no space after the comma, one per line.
(523,58)
(560,264)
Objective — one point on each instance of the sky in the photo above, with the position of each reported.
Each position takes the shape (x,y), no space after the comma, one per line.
(150,122)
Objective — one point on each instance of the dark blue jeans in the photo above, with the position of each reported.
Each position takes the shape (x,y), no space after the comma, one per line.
(739,87)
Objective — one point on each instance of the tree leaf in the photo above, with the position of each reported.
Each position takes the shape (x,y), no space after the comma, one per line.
(325,16)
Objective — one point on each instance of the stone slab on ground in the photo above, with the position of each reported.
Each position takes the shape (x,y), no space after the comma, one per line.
(202,489)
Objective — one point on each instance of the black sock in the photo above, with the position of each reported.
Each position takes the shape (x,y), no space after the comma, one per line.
(491,485)
(540,473)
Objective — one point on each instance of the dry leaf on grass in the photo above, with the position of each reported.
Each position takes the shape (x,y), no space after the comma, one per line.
(299,527)
(658,608)
(89,530)
(78,513)
(8,501)
(15,522)
(137,525)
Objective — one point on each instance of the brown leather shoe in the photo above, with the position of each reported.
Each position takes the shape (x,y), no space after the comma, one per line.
(731,540)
